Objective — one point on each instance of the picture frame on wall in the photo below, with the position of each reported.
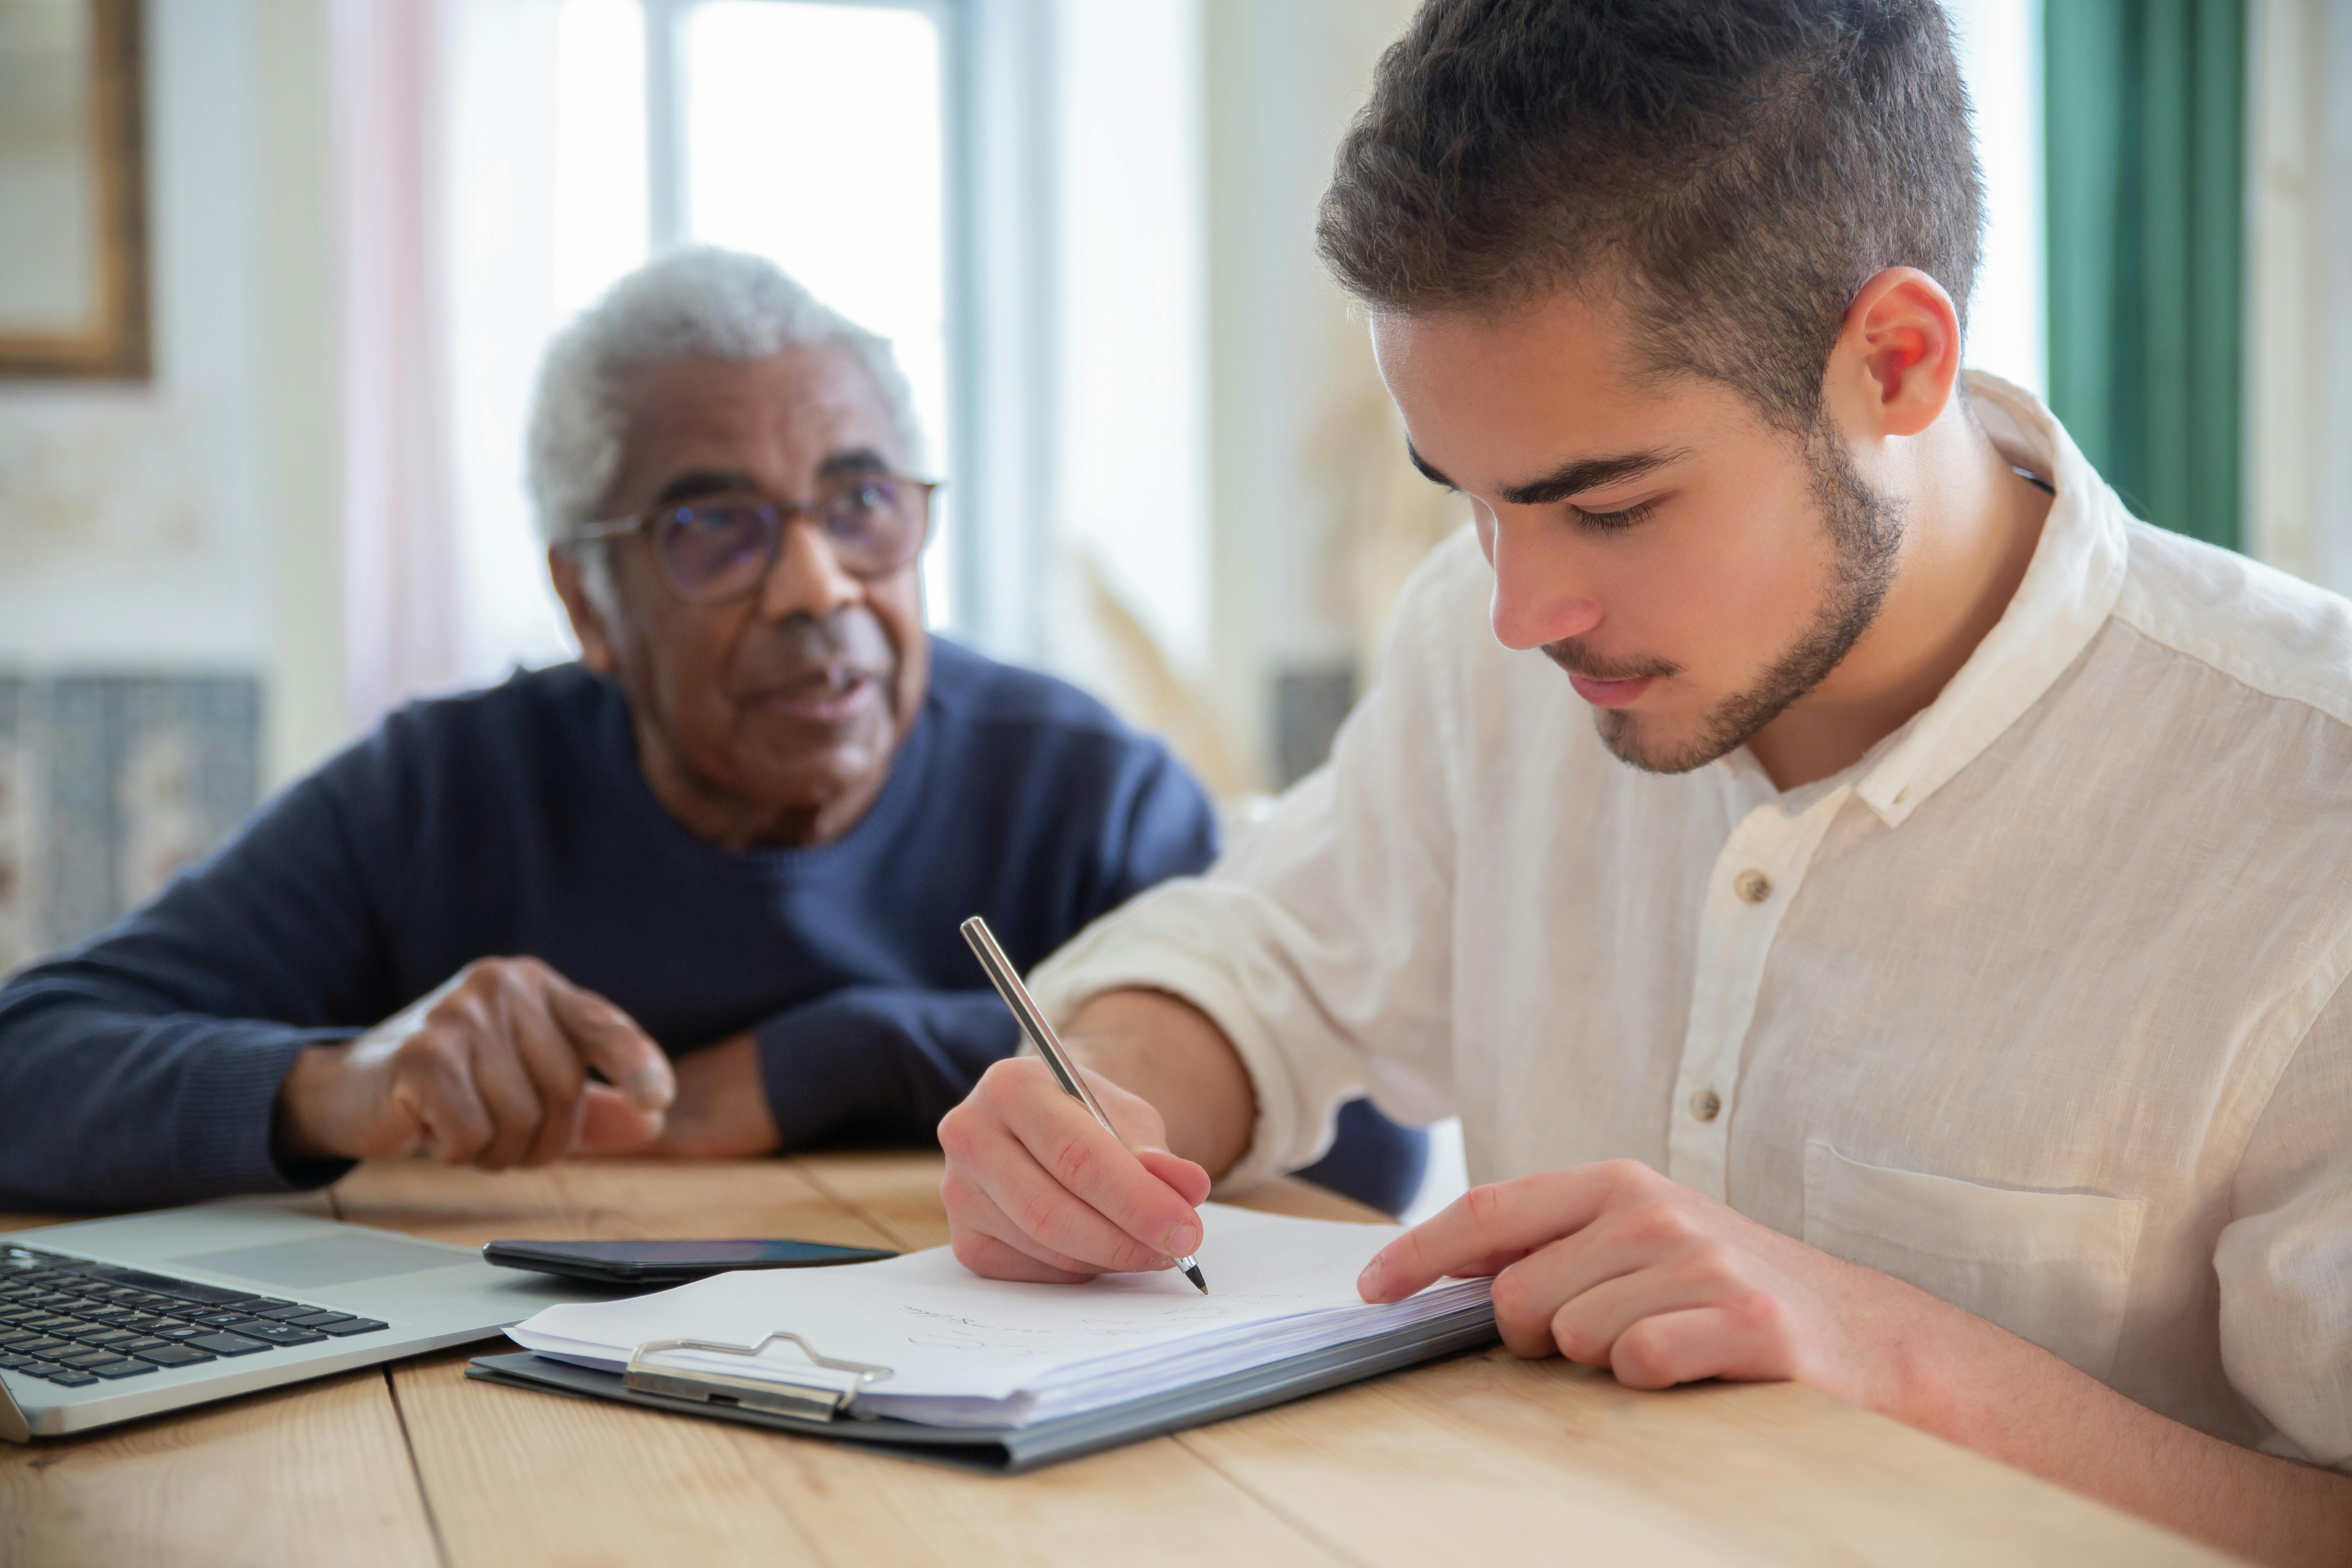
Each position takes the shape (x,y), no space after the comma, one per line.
(73,228)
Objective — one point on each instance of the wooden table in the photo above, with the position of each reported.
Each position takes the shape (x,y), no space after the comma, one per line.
(1481,1458)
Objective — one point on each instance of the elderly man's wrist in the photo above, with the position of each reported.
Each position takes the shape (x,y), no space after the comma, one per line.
(721,1110)
(301,1123)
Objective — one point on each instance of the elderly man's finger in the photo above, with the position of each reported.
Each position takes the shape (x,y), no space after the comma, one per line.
(1507,1216)
(433,1085)
(557,1074)
(511,1099)
(612,1124)
(610,1041)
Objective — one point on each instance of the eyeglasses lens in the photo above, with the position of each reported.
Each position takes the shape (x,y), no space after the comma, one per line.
(874,526)
(715,550)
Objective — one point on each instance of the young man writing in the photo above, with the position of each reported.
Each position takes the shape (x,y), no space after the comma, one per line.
(1906,953)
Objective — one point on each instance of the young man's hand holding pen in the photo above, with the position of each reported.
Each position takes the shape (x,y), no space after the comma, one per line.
(1036,1189)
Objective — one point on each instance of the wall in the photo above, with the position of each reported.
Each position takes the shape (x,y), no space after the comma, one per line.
(2298,434)
(307,714)
(1313,518)
(134,519)
(187,524)
(170,573)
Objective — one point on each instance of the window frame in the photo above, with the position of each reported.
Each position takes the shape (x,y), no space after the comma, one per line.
(993,479)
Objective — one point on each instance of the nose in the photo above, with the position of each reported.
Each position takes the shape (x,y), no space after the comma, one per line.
(807,578)
(1539,593)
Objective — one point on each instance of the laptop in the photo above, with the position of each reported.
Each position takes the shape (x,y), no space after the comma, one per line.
(111,1319)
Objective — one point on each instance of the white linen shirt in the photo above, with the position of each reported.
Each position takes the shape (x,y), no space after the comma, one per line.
(2041,1006)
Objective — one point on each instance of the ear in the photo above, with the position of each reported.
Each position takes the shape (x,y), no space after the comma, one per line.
(595,647)
(1897,357)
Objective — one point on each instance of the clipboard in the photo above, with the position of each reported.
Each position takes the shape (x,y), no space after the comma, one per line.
(826,1407)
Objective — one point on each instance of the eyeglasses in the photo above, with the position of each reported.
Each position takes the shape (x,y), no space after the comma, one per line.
(722,548)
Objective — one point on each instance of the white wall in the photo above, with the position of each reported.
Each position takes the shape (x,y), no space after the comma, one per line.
(1298,419)
(1130,339)
(308,716)
(188,522)
(133,518)
(2298,433)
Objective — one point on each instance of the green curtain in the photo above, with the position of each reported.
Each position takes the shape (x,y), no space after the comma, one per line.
(2143,113)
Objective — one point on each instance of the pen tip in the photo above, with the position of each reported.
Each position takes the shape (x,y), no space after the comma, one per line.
(1194,1274)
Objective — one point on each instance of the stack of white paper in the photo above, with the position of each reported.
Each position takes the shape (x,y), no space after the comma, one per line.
(968,1351)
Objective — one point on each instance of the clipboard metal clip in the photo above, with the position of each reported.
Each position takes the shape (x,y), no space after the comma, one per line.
(814,1400)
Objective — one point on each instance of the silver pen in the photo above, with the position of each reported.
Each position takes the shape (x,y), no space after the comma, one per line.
(1049,1045)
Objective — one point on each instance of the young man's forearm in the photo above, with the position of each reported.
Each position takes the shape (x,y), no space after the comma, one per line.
(1168,1051)
(2020,1405)
(2014,1402)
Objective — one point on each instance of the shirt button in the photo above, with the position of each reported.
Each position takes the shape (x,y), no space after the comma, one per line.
(1706,1105)
(1753,887)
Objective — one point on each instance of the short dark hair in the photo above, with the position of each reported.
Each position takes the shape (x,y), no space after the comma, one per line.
(1739,166)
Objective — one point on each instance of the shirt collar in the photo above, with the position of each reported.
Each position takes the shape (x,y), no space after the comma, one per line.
(2070,587)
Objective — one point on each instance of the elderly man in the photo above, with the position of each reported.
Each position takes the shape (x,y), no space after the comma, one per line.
(740,832)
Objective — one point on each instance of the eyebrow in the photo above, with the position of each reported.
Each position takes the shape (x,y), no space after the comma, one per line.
(695,483)
(1421,463)
(855,460)
(1570,479)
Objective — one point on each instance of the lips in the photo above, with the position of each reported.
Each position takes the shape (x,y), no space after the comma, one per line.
(1609,693)
(832,693)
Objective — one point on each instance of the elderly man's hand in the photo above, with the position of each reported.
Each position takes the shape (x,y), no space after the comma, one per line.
(721,1109)
(492,1070)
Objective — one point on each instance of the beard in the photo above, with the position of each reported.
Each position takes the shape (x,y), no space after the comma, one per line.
(1865,533)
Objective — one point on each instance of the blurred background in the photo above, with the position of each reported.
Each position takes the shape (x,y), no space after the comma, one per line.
(275,275)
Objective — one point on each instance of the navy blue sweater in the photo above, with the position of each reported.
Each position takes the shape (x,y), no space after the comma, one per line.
(141,1068)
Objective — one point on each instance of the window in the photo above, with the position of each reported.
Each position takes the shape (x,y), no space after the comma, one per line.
(813,133)
(1999,46)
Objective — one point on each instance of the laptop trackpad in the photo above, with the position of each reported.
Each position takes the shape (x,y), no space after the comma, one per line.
(324,1260)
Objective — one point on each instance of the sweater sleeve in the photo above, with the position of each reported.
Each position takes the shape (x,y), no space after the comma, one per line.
(878,1061)
(1161,825)
(142,1068)
(889,1061)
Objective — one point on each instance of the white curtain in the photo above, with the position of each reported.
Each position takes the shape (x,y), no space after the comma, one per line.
(447,151)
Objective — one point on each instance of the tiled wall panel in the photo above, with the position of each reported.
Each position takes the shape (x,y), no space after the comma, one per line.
(110,784)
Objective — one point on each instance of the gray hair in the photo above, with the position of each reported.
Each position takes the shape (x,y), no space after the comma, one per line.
(695,302)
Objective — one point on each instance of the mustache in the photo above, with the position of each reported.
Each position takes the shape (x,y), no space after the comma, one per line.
(1572,655)
(804,650)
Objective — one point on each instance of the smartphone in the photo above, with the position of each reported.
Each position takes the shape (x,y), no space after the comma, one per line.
(667,1262)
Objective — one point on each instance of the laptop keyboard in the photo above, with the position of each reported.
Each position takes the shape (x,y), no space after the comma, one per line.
(73,1322)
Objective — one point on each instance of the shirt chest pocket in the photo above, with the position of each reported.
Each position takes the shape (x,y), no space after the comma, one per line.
(2052,1268)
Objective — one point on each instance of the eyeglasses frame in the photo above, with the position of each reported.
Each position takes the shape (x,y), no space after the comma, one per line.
(788,513)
